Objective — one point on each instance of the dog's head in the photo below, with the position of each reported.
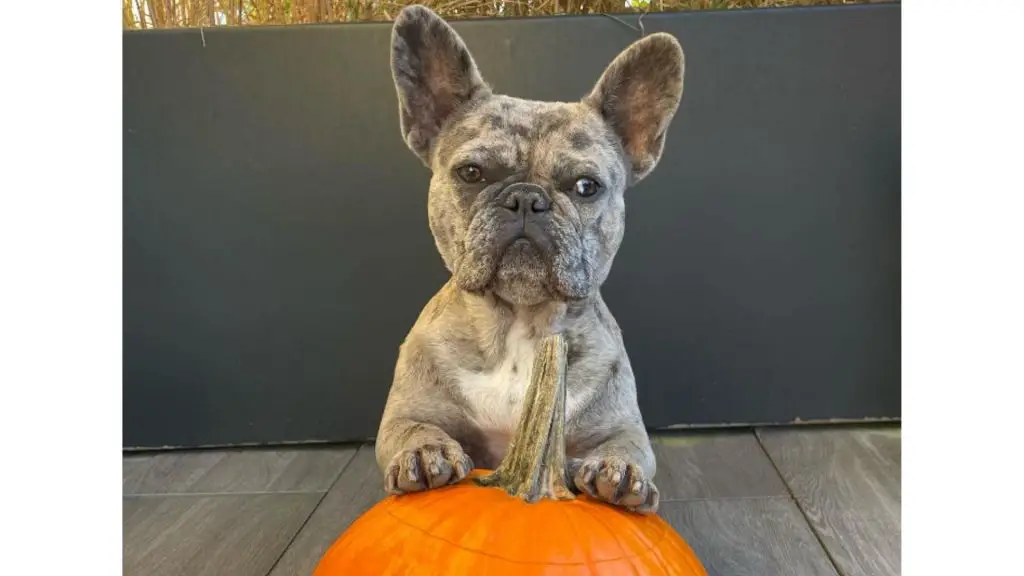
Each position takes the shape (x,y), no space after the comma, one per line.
(526,197)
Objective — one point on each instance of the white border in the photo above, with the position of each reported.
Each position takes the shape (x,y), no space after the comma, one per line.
(963,287)
(963,317)
(60,287)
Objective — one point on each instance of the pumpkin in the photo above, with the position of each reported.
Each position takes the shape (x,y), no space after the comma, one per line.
(520,519)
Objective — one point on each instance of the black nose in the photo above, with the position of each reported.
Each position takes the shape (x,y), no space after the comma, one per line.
(526,198)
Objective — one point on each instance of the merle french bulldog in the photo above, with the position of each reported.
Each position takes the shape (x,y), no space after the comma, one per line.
(526,206)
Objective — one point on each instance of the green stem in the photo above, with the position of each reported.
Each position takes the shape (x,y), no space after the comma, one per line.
(535,465)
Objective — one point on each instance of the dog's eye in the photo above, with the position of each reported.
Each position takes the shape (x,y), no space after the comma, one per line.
(586,187)
(470,173)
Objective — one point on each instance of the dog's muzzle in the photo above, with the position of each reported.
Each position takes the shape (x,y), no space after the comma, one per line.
(526,214)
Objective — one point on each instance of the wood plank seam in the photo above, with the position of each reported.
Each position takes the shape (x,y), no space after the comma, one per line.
(799,505)
(313,511)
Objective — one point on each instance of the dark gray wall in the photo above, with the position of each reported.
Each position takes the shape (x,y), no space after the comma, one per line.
(759,280)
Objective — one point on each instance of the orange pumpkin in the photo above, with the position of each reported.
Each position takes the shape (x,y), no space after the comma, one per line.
(533,526)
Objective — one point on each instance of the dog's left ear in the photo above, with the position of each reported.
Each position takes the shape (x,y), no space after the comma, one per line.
(434,75)
(638,95)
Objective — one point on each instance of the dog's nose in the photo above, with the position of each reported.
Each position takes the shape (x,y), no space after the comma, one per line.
(526,198)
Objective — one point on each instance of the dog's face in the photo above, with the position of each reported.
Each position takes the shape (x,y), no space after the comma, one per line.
(526,198)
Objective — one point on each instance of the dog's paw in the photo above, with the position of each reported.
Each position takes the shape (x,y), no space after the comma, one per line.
(429,466)
(615,481)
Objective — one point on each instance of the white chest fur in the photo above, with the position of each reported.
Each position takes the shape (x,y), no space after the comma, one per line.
(495,397)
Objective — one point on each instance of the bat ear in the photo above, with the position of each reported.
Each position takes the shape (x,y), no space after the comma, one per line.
(434,75)
(638,95)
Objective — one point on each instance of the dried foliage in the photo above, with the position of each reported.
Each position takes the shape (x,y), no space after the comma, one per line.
(146,14)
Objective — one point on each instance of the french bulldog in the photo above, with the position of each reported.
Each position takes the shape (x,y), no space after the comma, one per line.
(526,206)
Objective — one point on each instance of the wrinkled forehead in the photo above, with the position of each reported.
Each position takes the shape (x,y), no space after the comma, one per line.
(530,135)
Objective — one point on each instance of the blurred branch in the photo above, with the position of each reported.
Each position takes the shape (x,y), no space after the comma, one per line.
(141,14)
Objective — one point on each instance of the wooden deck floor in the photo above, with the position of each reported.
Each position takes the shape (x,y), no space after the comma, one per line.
(790,502)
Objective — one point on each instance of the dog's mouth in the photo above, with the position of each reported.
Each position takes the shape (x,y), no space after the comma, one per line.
(519,241)
(521,247)
(516,258)
(523,273)
(520,255)
(521,261)
(519,237)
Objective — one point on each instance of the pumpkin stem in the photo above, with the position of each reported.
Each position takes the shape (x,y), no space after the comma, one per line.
(535,465)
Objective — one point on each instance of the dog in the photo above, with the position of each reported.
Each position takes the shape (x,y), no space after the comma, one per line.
(526,206)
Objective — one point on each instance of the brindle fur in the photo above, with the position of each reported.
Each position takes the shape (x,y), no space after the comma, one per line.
(518,276)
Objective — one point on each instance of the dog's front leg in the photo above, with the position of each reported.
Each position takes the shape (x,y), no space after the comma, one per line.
(415,448)
(619,470)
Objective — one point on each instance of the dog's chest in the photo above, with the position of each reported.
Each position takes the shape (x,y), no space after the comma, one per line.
(495,397)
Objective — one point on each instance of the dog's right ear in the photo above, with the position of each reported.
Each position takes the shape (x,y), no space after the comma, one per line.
(434,75)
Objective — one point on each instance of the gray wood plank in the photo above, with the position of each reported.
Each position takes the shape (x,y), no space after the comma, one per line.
(847,481)
(721,464)
(749,537)
(234,471)
(224,535)
(359,488)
